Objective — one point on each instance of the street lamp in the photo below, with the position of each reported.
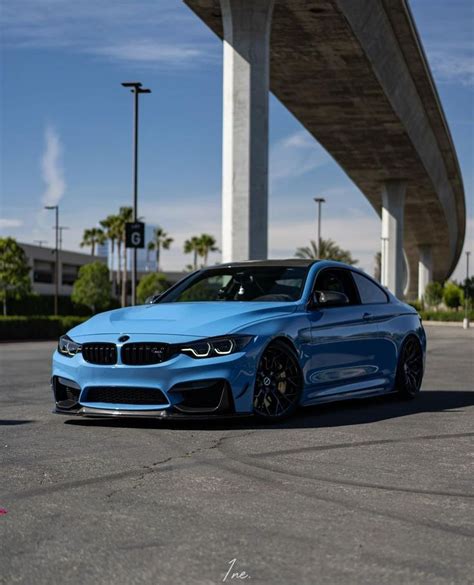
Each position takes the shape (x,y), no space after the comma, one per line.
(319,201)
(40,242)
(466,294)
(56,253)
(136,89)
(61,228)
(383,262)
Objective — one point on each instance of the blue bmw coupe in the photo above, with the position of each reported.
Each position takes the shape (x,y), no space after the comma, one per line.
(260,337)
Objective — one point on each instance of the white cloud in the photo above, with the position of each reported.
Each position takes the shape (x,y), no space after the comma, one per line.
(360,234)
(183,220)
(296,155)
(151,52)
(145,32)
(453,67)
(10,223)
(51,168)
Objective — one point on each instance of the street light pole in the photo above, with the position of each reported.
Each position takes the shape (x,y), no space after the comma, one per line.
(466,294)
(383,262)
(136,90)
(319,201)
(56,254)
(61,228)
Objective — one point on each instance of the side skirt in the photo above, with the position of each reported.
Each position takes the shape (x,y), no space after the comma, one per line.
(348,396)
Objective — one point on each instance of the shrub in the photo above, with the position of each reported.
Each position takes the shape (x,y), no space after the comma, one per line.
(418,305)
(38,327)
(151,284)
(433,294)
(445,315)
(453,295)
(92,288)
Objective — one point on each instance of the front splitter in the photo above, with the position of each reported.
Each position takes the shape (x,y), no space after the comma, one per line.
(167,414)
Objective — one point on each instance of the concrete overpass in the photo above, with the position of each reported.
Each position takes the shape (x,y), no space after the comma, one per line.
(355,75)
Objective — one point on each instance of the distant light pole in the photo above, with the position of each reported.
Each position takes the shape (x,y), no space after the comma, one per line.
(40,242)
(466,294)
(61,228)
(383,262)
(136,90)
(56,253)
(319,201)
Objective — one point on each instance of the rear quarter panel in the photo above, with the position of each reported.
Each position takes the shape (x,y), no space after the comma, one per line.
(396,323)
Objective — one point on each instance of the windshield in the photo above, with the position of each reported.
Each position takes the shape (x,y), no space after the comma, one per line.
(262,283)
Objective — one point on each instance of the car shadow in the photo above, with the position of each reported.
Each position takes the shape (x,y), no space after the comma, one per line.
(350,412)
(11,423)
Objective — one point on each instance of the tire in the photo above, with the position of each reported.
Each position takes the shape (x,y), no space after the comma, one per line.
(278,383)
(410,369)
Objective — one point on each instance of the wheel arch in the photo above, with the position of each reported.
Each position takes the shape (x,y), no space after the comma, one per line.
(287,341)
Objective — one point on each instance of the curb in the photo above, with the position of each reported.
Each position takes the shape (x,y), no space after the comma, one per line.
(444,323)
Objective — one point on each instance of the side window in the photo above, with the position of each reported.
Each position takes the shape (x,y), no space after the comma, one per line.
(337,280)
(369,292)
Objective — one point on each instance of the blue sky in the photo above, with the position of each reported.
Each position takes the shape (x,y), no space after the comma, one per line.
(66,125)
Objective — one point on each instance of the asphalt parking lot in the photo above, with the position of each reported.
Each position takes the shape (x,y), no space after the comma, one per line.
(365,492)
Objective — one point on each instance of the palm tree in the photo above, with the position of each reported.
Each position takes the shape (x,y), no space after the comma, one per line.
(125,215)
(192,245)
(378,266)
(92,237)
(328,250)
(207,244)
(110,224)
(160,240)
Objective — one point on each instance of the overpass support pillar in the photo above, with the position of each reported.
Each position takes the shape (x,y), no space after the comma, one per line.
(393,207)
(245,128)
(425,270)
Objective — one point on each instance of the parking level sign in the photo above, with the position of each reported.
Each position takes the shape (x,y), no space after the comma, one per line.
(135,234)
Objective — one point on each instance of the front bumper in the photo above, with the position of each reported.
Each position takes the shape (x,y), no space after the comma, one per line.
(181,387)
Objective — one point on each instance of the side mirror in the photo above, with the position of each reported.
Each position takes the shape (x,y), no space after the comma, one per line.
(330,298)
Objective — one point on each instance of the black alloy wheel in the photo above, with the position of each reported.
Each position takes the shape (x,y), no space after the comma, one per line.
(410,368)
(278,383)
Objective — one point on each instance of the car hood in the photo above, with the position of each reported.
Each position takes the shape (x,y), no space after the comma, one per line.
(201,319)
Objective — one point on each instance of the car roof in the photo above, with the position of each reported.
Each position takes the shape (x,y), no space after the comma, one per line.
(290,262)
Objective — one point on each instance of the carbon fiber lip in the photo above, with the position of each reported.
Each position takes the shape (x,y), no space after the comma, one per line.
(167,414)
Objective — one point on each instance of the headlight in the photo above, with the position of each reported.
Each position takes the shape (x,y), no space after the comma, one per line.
(216,346)
(68,347)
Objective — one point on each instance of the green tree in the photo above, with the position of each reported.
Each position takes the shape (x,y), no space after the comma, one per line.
(92,288)
(14,272)
(192,246)
(160,240)
(329,250)
(468,288)
(151,284)
(453,295)
(93,237)
(433,294)
(206,244)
